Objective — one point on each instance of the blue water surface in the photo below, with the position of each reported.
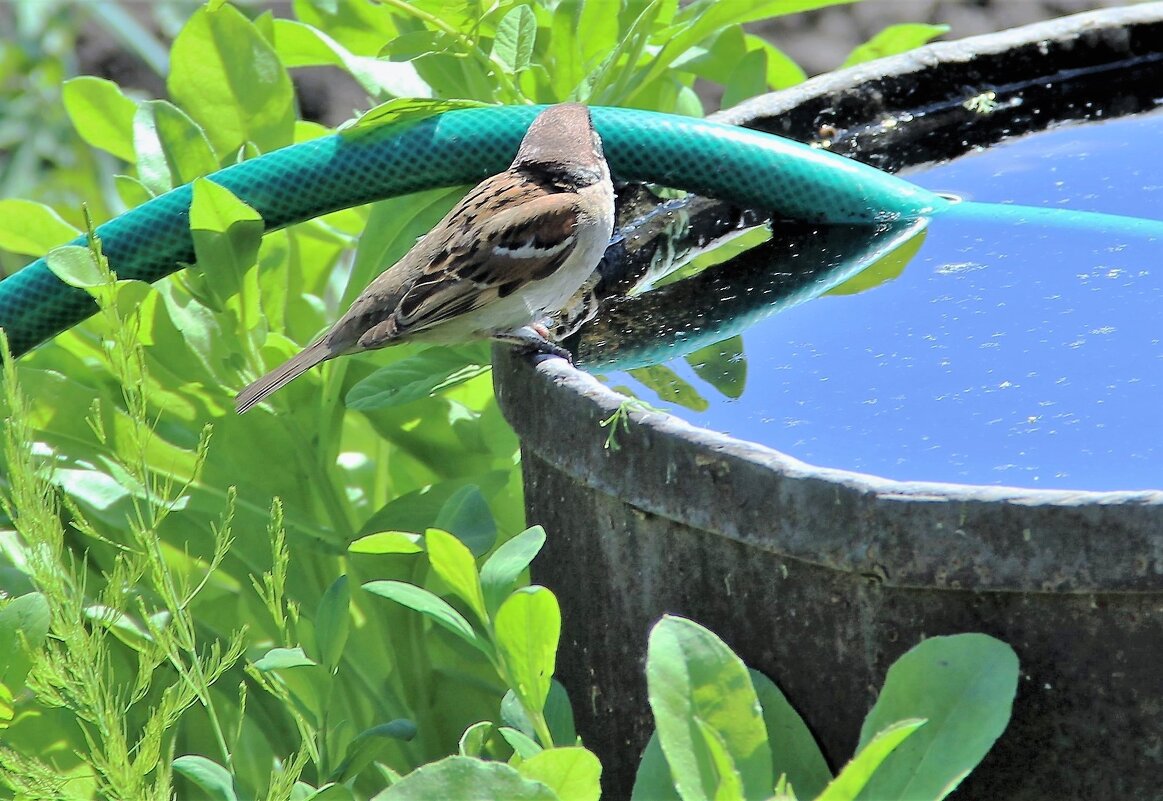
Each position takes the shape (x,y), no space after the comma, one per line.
(1004,354)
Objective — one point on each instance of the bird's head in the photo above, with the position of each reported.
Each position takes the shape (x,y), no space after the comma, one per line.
(563,144)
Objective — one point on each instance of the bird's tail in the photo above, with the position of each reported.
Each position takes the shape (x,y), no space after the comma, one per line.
(282,375)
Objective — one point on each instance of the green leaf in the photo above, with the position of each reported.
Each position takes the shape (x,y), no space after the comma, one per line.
(558,714)
(131,190)
(893,40)
(32,229)
(211,777)
(863,767)
(369,745)
(653,781)
(101,113)
(526,631)
(748,79)
(227,235)
(522,744)
(670,386)
(964,686)
(691,675)
(454,563)
(227,77)
(413,378)
(332,619)
(472,742)
(301,45)
(26,618)
(76,266)
(501,571)
(467,515)
(782,71)
(725,779)
(431,606)
(171,148)
(388,542)
(466,779)
(283,658)
(306,681)
(794,752)
(573,773)
(722,365)
(516,36)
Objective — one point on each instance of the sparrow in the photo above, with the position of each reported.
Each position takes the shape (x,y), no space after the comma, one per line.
(512,252)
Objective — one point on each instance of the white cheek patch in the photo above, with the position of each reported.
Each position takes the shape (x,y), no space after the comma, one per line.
(530,250)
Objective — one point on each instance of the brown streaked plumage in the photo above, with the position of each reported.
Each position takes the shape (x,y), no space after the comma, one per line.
(513,250)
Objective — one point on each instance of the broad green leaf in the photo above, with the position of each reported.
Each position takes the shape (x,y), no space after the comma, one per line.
(211,777)
(332,619)
(472,742)
(301,45)
(76,266)
(431,606)
(794,752)
(726,780)
(466,779)
(416,44)
(368,746)
(522,744)
(573,773)
(505,566)
(782,71)
(32,229)
(360,27)
(228,78)
(964,685)
(526,630)
(171,148)
(691,676)
(748,79)
(558,713)
(306,681)
(857,773)
(417,510)
(101,113)
(131,190)
(454,563)
(467,515)
(653,781)
(24,618)
(722,365)
(515,38)
(121,625)
(893,40)
(430,371)
(227,235)
(283,658)
(153,170)
(388,542)
(670,387)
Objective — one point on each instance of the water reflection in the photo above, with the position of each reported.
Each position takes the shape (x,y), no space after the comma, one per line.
(1012,355)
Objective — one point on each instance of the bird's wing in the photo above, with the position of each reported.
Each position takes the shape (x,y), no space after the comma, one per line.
(473,266)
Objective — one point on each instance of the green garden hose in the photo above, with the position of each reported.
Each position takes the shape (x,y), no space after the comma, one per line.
(296,183)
